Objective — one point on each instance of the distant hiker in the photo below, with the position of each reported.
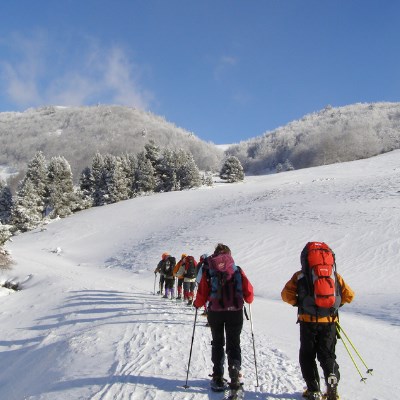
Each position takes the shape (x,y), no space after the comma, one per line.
(178,273)
(318,291)
(158,271)
(189,278)
(225,287)
(167,268)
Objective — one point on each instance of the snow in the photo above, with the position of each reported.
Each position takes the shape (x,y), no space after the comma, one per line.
(86,324)
(6,172)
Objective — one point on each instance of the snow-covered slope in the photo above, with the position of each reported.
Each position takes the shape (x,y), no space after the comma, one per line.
(87,325)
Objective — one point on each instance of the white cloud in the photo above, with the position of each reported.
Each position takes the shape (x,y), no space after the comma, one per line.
(41,75)
(21,77)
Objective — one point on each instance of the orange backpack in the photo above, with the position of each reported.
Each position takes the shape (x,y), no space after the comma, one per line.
(319,293)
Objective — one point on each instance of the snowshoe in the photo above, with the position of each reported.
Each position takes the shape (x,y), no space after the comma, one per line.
(218,384)
(312,395)
(331,386)
(235,393)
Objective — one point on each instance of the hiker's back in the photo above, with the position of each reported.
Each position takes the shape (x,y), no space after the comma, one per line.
(319,292)
(168,267)
(225,282)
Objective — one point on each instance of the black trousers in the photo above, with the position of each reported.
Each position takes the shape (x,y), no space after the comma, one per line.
(317,340)
(226,324)
(161,284)
(169,283)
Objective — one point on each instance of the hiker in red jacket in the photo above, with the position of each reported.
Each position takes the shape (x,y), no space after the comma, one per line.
(225,287)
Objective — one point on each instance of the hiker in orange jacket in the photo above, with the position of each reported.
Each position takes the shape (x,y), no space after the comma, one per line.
(317,333)
(178,273)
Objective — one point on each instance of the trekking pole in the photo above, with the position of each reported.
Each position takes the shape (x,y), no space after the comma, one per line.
(190,354)
(254,347)
(350,355)
(155,279)
(369,370)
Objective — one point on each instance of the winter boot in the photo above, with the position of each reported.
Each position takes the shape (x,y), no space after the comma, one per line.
(307,394)
(190,302)
(331,386)
(218,384)
(166,294)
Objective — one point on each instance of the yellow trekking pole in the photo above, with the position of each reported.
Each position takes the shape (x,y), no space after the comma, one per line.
(350,355)
(369,370)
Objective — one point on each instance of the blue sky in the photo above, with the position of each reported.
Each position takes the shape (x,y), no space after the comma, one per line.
(227,70)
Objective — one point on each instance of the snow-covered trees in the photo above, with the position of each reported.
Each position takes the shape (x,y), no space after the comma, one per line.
(62,200)
(5,203)
(144,175)
(232,170)
(47,190)
(5,233)
(187,173)
(28,208)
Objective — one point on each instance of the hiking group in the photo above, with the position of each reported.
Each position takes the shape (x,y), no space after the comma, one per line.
(221,287)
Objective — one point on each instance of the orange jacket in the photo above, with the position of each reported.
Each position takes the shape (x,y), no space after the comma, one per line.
(289,295)
(176,269)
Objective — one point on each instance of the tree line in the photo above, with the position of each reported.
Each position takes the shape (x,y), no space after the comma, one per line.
(47,190)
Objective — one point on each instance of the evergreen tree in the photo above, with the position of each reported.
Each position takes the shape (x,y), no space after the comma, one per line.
(5,234)
(5,203)
(86,183)
(61,199)
(207,179)
(232,170)
(116,183)
(169,180)
(144,175)
(152,152)
(128,166)
(288,166)
(37,174)
(98,179)
(187,173)
(27,210)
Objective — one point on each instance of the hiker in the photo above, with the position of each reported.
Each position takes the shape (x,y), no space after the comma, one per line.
(167,268)
(158,271)
(317,300)
(189,278)
(225,287)
(178,273)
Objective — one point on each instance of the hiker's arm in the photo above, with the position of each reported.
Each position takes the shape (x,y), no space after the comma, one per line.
(247,287)
(347,292)
(289,292)
(203,292)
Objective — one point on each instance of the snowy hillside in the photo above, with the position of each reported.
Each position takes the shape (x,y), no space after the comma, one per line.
(78,133)
(332,135)
(87,325)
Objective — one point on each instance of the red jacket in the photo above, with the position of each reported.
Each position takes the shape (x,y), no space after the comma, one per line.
(204,290)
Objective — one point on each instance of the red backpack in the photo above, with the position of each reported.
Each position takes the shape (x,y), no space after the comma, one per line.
(319,292)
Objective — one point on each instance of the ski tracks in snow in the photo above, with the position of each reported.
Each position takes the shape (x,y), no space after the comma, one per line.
(151,359)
